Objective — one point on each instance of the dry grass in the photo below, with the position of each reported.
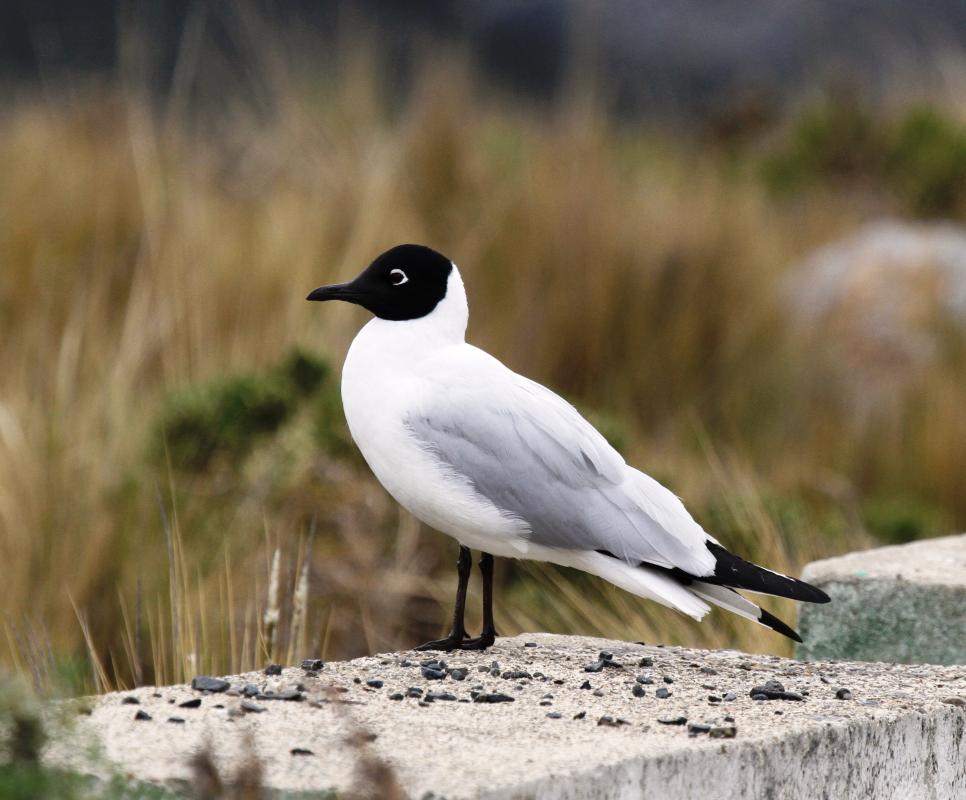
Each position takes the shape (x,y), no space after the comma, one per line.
(147,248)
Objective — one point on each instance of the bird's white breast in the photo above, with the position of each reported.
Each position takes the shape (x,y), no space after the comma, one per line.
(384,379)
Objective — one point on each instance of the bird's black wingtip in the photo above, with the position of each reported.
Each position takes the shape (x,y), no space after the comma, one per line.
(771,621)
(735,572)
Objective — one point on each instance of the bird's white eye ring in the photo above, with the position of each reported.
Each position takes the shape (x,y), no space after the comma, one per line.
(398,277)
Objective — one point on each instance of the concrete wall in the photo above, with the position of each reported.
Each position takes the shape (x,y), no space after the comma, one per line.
(543,716)
(905,604)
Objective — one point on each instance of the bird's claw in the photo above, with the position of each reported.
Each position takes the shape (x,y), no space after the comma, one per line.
(480,642)
(447,645)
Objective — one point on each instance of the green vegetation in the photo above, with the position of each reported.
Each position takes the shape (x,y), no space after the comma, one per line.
(918,156)
(22,775)
(227,417)
(897,520)
(926,163)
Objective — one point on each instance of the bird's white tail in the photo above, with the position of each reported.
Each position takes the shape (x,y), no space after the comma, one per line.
(691,598)
(642,582)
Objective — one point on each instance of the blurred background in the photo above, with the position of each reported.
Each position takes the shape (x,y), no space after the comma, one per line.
(732,233)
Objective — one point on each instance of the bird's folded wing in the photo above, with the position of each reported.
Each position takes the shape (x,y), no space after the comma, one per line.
(531,454)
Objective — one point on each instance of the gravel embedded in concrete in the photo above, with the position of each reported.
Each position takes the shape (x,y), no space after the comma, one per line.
(902,732)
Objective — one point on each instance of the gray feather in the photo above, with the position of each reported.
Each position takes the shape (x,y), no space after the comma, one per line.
(546,465)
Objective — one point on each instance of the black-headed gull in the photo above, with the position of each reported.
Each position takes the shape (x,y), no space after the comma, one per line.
(505,466)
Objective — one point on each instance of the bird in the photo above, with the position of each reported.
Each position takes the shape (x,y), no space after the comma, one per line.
(509,468)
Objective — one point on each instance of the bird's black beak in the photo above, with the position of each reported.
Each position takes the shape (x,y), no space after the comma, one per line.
(336,291)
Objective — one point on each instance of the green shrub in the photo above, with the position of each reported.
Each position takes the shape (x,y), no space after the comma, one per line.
(927,163)
(226,417)
(329,426)
(307,371)
(896,520)
(836,139)
(919,158)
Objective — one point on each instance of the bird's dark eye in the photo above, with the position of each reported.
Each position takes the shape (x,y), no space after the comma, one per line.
(398,277)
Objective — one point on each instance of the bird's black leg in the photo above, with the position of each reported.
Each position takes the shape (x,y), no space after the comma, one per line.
(456,635)
(488,634)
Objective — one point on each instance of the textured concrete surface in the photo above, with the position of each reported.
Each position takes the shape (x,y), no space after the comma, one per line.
(905,603)
(567,732)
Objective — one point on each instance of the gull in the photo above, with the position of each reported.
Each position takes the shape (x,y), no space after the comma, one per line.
(507,467)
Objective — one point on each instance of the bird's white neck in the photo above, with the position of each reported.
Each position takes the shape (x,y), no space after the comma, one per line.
(410,340)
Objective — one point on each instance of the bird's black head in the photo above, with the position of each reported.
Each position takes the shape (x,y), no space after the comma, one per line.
(406,282)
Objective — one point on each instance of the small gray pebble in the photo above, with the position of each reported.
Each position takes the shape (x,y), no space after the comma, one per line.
(205,683)
(285,694)
(493,697)
(433,673)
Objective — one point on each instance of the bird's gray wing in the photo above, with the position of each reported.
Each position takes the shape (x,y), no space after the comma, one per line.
(535,457)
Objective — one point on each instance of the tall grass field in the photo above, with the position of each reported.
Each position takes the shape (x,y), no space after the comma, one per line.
(178,490)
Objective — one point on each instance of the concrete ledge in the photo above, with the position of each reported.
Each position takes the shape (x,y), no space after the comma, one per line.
(904,604)
(898,732)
